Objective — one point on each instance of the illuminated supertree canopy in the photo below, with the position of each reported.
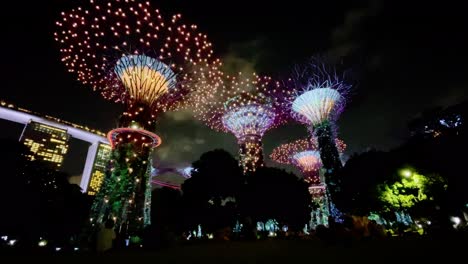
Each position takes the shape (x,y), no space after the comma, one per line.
(304,154)
(307,161)
(320,93)
(319,98)
(246,107)
(134,55)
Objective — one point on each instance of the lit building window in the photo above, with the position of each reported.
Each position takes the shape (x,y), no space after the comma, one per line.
(46,143)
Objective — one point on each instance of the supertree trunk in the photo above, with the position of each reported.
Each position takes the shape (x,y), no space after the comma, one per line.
(250,153)
(329,154)
(320,211)
(122,197)
(126,192)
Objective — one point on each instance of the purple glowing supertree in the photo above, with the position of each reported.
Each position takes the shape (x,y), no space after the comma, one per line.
(133,55)
(246,107)
(318,101)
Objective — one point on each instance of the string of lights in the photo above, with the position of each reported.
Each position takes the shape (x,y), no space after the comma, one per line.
(246,106)
(318,99)
(132,54)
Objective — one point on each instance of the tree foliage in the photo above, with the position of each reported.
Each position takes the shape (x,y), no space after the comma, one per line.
(273,193)
(210,195)
(38,200)
(360,177)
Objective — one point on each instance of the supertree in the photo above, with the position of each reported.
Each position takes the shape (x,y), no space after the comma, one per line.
(133,55)
(319,98)
(304,154)
(246,107)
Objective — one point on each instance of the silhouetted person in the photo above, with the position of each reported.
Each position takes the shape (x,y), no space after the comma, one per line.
(105,237)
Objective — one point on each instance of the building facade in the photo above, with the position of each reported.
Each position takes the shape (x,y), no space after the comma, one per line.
(46,143)
(98,170)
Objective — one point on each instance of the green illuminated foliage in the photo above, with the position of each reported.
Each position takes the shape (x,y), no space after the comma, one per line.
(410,189)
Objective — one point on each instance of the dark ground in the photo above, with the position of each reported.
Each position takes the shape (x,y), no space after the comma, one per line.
(407,250)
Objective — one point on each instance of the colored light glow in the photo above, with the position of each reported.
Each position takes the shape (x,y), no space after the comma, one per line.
(284,153)
(166,184)
(307,160)
(186,172)
(406,173)
(145,78)
(133,54)
(304,154)
(319,92)
(249,120)
(316,105)
(396,194)
(42,243)
(455,220)
(340,145)
(96,181)
(144,135)
(246,106)
(250,153)
(317,190)
(249,92)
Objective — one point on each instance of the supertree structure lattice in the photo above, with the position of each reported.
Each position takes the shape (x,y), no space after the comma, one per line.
(303,154)
(319,99)
(246,107)
(133,55)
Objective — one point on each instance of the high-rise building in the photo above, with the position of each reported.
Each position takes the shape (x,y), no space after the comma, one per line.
(98,170)
(46,143)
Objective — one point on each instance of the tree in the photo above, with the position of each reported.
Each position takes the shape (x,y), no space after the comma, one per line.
(38,200)
(273,193)
(360,177)
(18,204)
(166,218)
(211,194)
(409,189)
(166,209)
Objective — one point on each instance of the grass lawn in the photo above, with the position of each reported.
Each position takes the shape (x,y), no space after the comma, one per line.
(408,250)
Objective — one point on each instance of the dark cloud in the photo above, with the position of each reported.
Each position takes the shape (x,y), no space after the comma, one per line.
(185,139)
(411,57)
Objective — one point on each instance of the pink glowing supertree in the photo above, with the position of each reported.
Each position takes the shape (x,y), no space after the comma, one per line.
(134,55)
(304,154)
(246,106)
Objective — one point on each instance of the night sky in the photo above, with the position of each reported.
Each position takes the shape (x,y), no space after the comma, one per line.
(405,58)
